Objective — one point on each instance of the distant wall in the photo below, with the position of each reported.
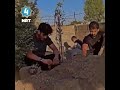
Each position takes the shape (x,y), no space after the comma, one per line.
(68,32)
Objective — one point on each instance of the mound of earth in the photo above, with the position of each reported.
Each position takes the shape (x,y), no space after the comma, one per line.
(77,74)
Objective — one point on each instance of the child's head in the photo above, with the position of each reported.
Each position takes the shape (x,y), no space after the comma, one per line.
(94,28)
(73,38)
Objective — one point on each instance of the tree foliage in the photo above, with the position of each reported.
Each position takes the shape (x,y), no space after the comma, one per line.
(94,10)
(23,30)
(75,22)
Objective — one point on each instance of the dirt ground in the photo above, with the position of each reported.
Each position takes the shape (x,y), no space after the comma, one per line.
(78,73)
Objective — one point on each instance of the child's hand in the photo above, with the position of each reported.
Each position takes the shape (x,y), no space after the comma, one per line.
(47,61)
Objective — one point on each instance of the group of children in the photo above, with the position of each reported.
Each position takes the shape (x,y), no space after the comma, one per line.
(93,43)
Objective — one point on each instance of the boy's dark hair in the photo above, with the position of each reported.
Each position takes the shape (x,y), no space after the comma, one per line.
(93,25)
(73,37)
(45,28)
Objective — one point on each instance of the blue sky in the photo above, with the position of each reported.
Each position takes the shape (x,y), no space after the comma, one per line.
(47,8)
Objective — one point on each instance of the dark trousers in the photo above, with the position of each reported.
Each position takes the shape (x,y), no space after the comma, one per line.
(30,62)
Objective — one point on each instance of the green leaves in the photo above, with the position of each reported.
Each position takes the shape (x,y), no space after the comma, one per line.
(23,31)
(94,10)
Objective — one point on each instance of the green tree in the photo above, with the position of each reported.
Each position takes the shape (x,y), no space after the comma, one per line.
(94,10)
(23,30)
(75,22)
